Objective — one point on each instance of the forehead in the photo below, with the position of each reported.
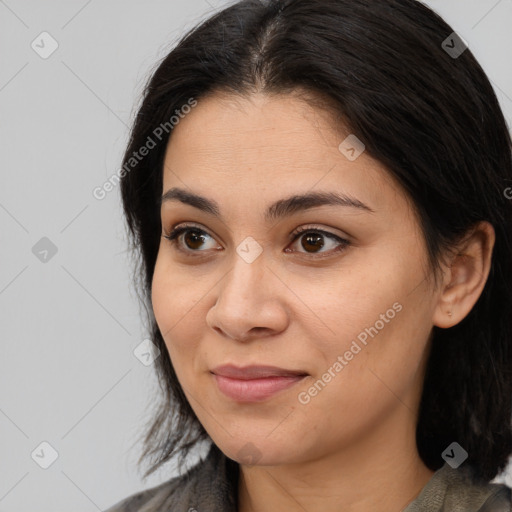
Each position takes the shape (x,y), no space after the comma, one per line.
(266,145)
(223,123)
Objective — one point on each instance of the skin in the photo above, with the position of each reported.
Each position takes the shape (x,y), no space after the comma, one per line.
(353,444)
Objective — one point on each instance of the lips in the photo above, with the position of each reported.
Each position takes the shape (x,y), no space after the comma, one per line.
(254,383)
(255,372)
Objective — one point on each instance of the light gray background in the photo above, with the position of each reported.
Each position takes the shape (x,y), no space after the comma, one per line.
(69,325)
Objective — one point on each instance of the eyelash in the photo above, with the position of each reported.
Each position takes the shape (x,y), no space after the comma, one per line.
(177,231)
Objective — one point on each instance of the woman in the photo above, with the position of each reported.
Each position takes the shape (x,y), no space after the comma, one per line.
(317,192)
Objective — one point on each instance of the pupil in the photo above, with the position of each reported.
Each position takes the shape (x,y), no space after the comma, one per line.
(313,239)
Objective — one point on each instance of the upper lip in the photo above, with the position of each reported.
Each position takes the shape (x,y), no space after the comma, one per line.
(254,372)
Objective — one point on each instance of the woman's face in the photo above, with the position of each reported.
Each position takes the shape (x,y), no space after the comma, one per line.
(346,304)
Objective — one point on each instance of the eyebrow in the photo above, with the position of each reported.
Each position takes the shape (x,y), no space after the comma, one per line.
(277,210)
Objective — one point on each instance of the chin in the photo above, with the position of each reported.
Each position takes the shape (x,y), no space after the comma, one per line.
(258,451)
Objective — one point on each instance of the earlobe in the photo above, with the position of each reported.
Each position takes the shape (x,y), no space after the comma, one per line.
(465,277)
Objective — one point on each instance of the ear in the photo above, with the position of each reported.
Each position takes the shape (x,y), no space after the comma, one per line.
(465,276)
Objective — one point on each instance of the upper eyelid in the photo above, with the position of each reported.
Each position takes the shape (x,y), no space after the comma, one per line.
(184,226)
(296,231)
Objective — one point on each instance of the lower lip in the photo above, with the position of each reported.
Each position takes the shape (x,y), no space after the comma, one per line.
(254,390)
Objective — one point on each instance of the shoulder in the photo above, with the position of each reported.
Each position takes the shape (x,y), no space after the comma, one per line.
(212,481)
(465,490)
(500,500)
(457,490)
(145,500)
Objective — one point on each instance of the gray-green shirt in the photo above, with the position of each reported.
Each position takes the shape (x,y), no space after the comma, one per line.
(212,486)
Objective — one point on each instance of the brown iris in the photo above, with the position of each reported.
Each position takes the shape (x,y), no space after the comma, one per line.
(195,237)
(315,240)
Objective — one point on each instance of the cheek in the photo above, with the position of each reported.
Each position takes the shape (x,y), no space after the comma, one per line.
(378,309)
(176,305)
(345,302)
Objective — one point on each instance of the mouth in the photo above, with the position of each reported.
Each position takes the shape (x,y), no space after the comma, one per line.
(254,383)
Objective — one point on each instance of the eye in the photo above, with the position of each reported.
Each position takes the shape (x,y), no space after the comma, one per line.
(313,240)
(193,237)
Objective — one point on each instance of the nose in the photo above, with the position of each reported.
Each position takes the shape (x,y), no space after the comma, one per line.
(250,302)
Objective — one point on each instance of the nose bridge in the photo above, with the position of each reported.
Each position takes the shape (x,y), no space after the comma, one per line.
(246,276)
